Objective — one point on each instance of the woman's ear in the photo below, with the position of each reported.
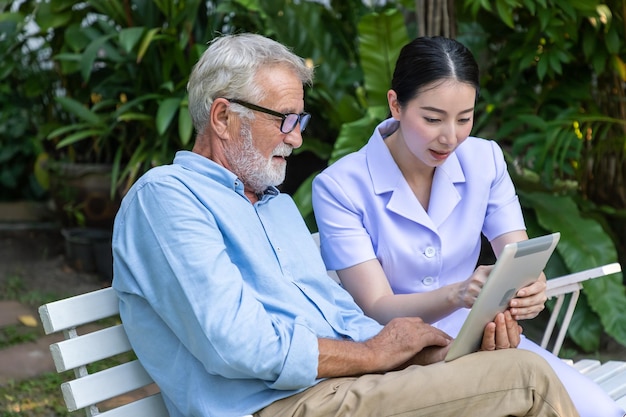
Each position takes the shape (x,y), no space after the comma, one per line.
(394,105)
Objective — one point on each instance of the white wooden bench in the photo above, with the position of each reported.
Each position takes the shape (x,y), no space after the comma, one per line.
(93,332)
(122,387)
(87,390)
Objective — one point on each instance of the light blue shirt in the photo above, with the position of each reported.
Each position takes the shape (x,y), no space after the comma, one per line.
(222,300)
(366,210)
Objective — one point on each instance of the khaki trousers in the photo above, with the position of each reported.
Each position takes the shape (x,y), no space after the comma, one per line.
(511,382)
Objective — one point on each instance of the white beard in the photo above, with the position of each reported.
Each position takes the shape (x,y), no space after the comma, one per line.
(256,172)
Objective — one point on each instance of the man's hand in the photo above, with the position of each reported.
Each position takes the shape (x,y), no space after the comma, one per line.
(403,341)
(502,333)
(409,339)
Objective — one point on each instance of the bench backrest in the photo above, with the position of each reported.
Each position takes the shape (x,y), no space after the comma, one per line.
(103,340)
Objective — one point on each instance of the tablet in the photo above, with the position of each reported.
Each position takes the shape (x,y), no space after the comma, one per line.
(518,265)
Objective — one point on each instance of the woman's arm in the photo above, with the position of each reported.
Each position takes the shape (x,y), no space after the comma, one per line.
(371,290)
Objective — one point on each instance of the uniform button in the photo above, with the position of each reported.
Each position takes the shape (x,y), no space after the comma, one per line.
(430,252)
(428,281)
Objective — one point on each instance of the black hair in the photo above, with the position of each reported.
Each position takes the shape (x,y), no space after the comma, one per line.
(426,60)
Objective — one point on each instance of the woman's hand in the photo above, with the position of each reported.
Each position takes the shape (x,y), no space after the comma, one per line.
(467,291)
(530,300)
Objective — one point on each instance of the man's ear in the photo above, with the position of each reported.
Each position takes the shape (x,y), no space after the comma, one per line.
(221,117)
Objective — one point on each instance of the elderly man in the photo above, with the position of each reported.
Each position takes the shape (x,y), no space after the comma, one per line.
(226,300)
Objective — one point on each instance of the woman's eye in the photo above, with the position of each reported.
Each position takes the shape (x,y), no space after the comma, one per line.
(463,121)
(429,120)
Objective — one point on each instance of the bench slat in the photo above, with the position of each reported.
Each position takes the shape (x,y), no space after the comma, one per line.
(616,385)
(563,284)
(586,365)
(607,371)
(152,406)
(78,310)
(106,384)
(91,347)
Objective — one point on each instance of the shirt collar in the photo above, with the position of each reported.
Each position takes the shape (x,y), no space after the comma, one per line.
(207,167)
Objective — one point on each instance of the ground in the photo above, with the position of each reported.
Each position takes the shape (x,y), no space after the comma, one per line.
(34,261)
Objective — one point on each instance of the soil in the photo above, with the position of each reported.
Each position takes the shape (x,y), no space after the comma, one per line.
(33,260)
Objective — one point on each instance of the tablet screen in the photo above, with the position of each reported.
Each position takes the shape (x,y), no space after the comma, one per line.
(519,265)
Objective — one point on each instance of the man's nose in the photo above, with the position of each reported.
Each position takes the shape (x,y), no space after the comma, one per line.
(294,138)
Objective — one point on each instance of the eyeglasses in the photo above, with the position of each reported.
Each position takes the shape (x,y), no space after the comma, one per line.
(289,120)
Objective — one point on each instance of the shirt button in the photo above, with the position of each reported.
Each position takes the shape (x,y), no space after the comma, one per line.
(428,281)
(430,252)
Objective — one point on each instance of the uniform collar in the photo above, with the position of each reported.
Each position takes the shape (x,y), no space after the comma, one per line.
(386,177)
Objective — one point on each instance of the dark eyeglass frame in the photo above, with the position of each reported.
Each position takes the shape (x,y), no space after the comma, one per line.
(303,118)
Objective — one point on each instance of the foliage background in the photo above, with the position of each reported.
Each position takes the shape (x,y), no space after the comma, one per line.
(104,81)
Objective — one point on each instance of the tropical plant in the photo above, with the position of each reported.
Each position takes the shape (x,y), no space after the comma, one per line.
(549,205)
(125,71)
(24,94)
(553,96)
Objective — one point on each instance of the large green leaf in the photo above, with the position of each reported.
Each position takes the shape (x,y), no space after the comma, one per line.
(355,134)
(78,109)
(584,244)
(130,37)
(381,36)
(185,125)
(165,114)
(303,197)
(91,54)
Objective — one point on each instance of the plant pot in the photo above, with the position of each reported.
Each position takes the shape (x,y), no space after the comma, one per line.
(82,194)
(89,250)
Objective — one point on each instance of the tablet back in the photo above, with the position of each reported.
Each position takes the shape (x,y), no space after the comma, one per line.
(518,265)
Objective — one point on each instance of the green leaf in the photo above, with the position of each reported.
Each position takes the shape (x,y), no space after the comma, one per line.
(505,11)
(620,67)
(66,129)
(129,37)
(598,60)
(127,117)
(585,329)
(589,43)
(545,15)
(47,18)
(354,135)
(12,17)
(381,36)
(77,108)
(78,136)
(165,114)
(145,43)
(185,126)
(542,67)
(75,38)
(90,55)
(303,197)
(612,40)
(584,244)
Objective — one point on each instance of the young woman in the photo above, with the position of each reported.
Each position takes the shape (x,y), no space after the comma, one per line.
(401,219)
